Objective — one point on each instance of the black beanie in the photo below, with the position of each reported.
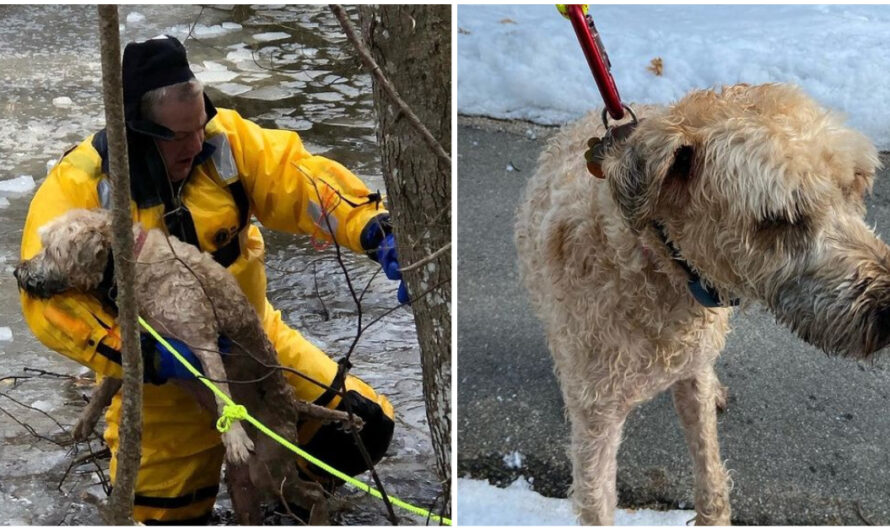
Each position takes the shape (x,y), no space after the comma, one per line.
(149,65)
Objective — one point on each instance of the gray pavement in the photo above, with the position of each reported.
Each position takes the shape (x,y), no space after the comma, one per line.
(806,437)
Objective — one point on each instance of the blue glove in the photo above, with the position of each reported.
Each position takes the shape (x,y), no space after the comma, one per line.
(161,365)
(389,260)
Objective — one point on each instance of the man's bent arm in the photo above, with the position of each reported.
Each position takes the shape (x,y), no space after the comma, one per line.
(289,188)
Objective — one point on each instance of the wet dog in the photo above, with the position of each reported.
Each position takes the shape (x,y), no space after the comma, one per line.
(753,192)
(184,293)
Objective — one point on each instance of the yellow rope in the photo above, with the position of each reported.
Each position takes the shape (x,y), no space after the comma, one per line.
(232,412)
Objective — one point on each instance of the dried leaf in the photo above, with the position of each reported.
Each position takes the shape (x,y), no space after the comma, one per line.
(656,66)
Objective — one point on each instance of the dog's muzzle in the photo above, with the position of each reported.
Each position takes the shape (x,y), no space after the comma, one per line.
(35,283)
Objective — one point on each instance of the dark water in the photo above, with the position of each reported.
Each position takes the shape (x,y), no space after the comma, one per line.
(287,67)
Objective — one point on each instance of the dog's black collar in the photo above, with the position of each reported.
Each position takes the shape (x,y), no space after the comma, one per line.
(703,294)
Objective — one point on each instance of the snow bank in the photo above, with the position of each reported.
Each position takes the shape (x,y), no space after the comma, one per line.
(524,62)
(480,503)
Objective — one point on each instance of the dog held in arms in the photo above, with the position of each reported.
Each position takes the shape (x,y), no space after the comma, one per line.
(184,293)
(754,192)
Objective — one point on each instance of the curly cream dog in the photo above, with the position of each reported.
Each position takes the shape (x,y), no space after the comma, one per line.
(753,192)
(183,293)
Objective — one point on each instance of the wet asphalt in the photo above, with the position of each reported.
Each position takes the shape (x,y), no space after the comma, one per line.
(806,437)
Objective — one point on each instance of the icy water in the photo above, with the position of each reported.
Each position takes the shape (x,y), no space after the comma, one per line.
(287,67)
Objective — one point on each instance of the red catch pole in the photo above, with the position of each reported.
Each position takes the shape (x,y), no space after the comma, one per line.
(596,58)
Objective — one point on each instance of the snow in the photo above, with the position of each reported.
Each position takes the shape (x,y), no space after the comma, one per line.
(267,37)
(5,334)
(211,77)
(202,31)
(513,460)
(135,18)
(268,93)
(62,102)
(20,184)
(231,89)
(524,62)
(44,405)
(480,503)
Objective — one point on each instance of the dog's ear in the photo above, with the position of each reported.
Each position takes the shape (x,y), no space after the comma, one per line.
(644,168)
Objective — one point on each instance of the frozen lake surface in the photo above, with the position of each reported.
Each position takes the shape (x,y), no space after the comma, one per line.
(287,67)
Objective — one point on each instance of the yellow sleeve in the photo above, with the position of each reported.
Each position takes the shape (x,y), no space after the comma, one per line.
(289,188)
(75,325)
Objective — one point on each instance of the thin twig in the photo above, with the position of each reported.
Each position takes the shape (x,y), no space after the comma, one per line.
(19,403)
(380,317)
(272,367)
(345,363)
(40,372)
(324,308)
(862,516)
(295,271)
(367,285)
(286,505)
(389,89)
(30,429)
(424,261)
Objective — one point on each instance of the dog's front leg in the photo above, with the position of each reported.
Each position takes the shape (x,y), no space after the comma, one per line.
(696,402)
(238,444)
(596,435)
(100,399)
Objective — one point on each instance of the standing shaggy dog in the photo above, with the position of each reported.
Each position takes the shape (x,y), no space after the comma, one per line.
(753,192)
(183,293)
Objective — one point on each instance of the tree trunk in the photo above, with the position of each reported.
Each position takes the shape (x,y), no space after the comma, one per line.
(412,46)
(120,509)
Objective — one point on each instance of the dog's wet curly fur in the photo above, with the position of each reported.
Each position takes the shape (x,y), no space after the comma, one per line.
(760,190)
(184,293)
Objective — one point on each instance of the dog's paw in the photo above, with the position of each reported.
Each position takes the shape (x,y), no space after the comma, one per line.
(722,397)
(81,431)
(239,446)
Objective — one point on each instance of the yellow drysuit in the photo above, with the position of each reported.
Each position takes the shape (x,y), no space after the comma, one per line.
(287,189)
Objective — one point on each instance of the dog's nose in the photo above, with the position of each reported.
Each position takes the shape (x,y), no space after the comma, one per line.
(17,272)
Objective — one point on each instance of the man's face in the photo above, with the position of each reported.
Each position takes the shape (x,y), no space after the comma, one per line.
(186,119)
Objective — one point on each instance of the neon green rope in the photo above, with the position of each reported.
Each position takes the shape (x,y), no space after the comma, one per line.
(232,412)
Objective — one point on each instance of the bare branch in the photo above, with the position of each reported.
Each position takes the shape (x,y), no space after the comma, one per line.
(345,363)
(424,261)
(390,90)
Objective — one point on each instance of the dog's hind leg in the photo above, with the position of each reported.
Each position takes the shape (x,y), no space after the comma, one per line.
(596,435)
(326,415)
(696,402)
(238,444)
(245,501)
